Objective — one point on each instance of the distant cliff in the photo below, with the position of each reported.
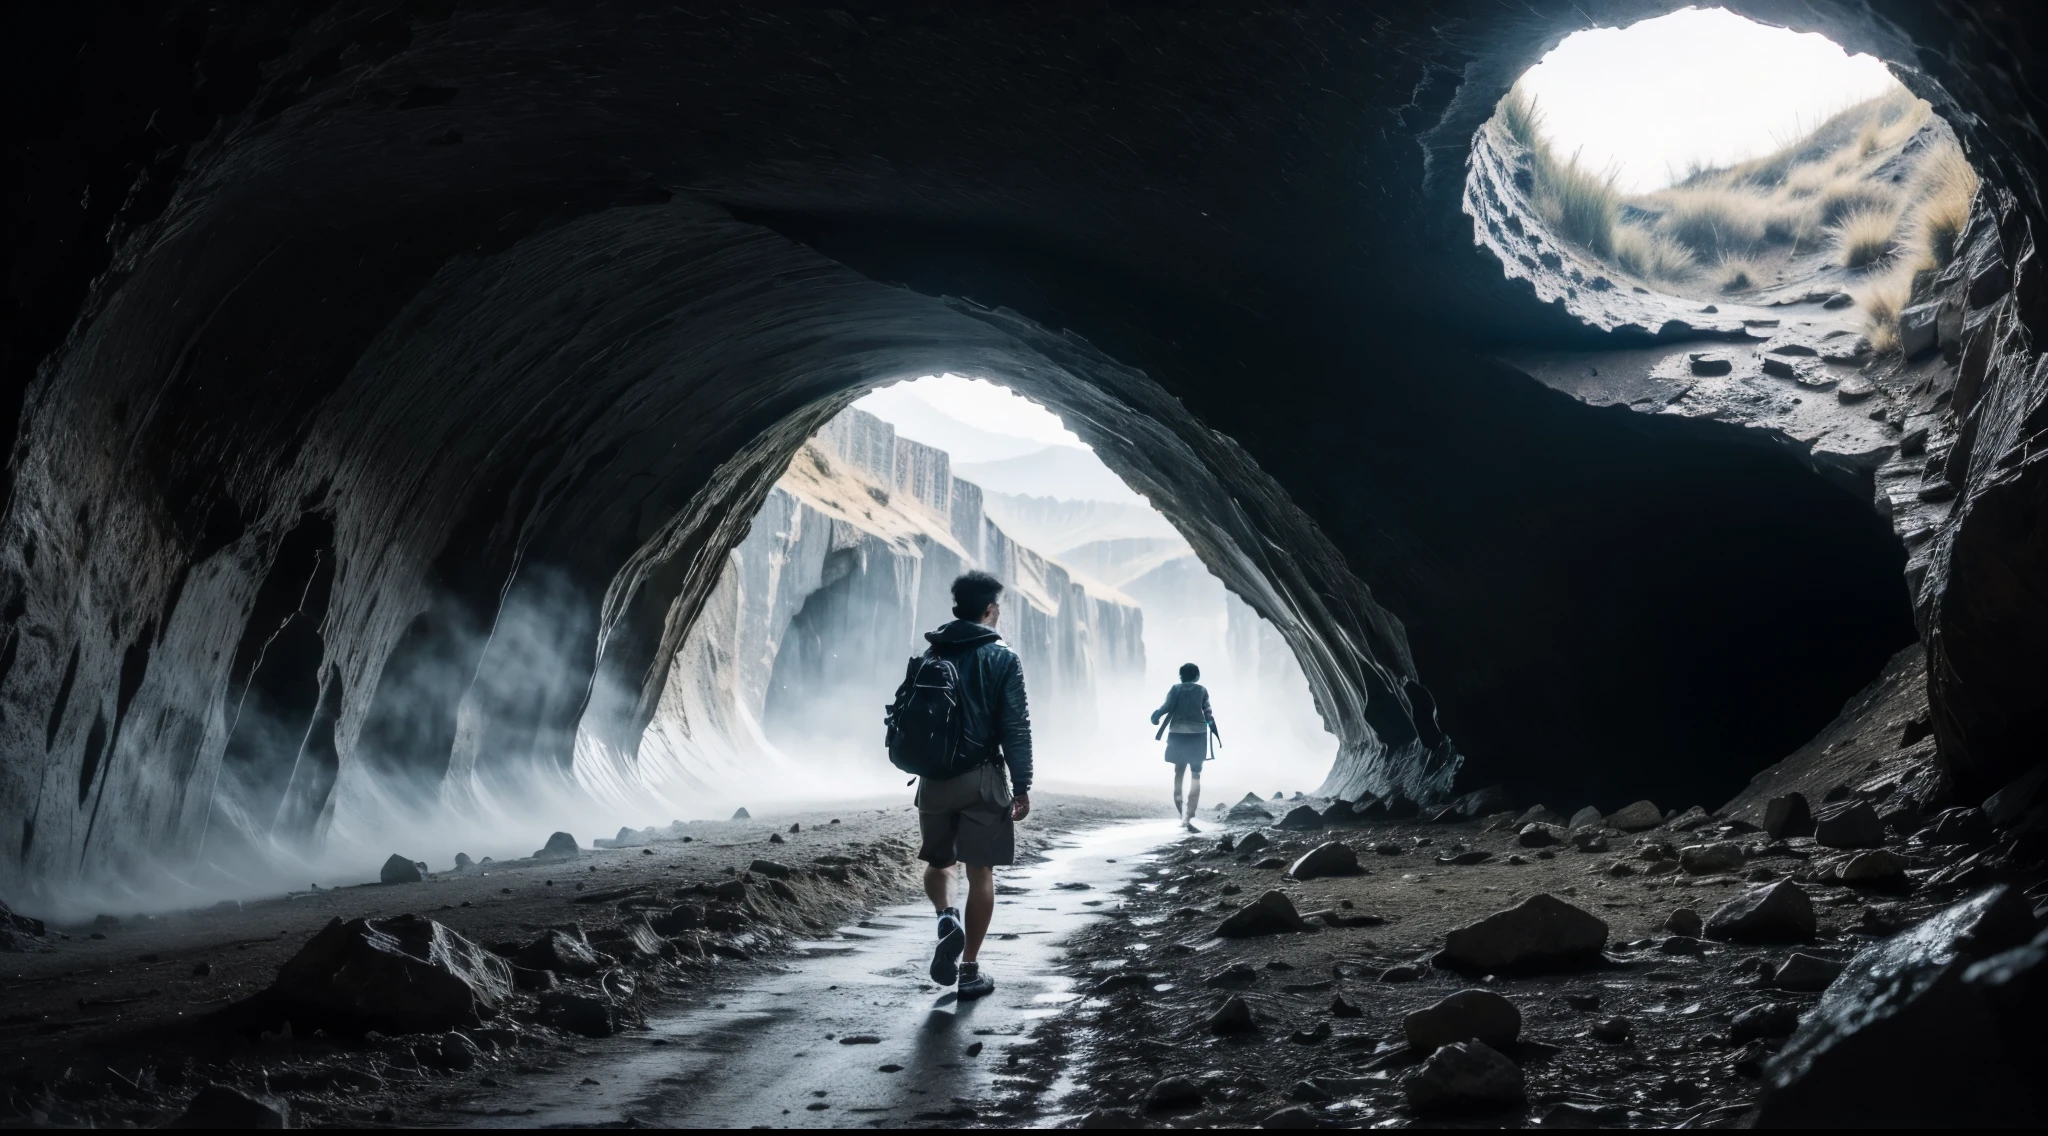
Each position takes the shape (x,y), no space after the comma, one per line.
(847,564)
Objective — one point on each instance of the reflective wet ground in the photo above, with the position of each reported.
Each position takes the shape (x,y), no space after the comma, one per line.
(851,1031)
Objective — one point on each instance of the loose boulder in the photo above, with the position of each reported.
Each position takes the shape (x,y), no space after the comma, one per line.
(1540,814)
(1961,826)
(560,846)
(1172,1093)
(1872,866)
(222,1107)
(1333,858)
(560,952)
(742,814)
(1340,812)
(1253,842)
(1806,973)
(770,869)
(1234,1016)
(1270,914)
(585,1014)
(1685,921)
(1787,815)
(1710,859)
(1586,816)
(1848,824)
(1302,818)
(1945,1017)
(399,870)
(1775,913)
(1541,932)
(1768,1020)
(1247,813)
(1463,1076)
(1536,834)
(1638,817)
(403,974)
(1468,1015)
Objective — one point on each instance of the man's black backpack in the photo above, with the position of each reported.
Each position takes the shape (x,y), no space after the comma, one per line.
(927,721)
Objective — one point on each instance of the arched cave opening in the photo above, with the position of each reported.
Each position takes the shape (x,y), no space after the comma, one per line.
(542,401)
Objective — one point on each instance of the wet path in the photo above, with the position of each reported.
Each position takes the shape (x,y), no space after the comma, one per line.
(852,1032)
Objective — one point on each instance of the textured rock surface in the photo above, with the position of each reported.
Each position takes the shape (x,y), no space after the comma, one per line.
(405,974)
(1468,1015)
(1917,1015)
(1541,932)
(1776,913)
(1333,858)
(368,332)
(1464,1075)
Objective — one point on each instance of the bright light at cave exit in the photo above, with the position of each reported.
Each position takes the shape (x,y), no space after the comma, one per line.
(1699,86)
(977,402)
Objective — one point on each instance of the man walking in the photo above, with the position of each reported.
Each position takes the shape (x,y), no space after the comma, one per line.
(969,818)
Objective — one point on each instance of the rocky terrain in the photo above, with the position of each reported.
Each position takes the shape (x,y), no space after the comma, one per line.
(403,1003)
(1641,969)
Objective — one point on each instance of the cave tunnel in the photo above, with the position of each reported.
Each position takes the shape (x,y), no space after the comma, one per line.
(529,306)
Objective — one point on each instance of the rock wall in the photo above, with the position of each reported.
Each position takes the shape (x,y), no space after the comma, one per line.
(531,305)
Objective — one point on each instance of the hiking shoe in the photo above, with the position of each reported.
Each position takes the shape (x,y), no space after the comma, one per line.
(974,983)
(952,942)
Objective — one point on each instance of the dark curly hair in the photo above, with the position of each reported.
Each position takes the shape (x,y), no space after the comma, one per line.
(973,592)
(1189,672)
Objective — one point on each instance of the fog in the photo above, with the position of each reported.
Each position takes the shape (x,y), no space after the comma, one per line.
(773,702)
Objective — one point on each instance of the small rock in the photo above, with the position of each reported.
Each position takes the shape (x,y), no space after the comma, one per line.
(1570,1115)
(1589,1000)
(1253,842)
(1172,1093)
(400,870)
(1301,818)
(1236,974)
(1270,914)
(1787,815)
(1542,931)
(795,828)
(1765,1020)
(860,1039)
(1637,817)
(1234,1016)
(1838,300)
(560,846)
(1681,945)
(1775,913)
(1389,848)
(1540,814)
(1854,390)
(1309,1092)
(1465,859)
(1247,814)
(1872,866)
(1468,1015)
(402,974)
(771,869)
(773,838)
(222,1107)
(1463,1075)
(1401,973)
(1690,819)
(1710,859)
(1329,859)
(1311,1035)
(1589,840)
(463,862)
(1339,1008)
(1586,816)
(1806,973)
(742,814)
(1848,824)
(1961,826)
(1711,363)
(1538,835)
(579,1014)
(1294,1116)
(1613,1030)
(1685,921)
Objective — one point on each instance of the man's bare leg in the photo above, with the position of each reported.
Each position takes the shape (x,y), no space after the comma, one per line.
(1194,802)
(981,906)
(938,886)
(1179,772)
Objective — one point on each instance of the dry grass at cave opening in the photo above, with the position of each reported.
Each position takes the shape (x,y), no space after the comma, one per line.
(1871,190)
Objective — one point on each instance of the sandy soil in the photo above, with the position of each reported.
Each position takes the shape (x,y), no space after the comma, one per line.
(121,1023)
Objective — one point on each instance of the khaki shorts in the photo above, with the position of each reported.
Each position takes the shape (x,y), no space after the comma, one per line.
(966,819)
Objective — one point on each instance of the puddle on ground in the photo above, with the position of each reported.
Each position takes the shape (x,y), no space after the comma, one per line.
(776,1049)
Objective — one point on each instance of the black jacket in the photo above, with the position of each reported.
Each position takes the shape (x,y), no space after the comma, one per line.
(997,717)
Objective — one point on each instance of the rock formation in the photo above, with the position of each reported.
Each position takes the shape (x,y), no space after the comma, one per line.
(389,386)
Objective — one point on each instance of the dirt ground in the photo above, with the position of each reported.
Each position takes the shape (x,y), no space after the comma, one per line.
(1342,1066)
(119,1023)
